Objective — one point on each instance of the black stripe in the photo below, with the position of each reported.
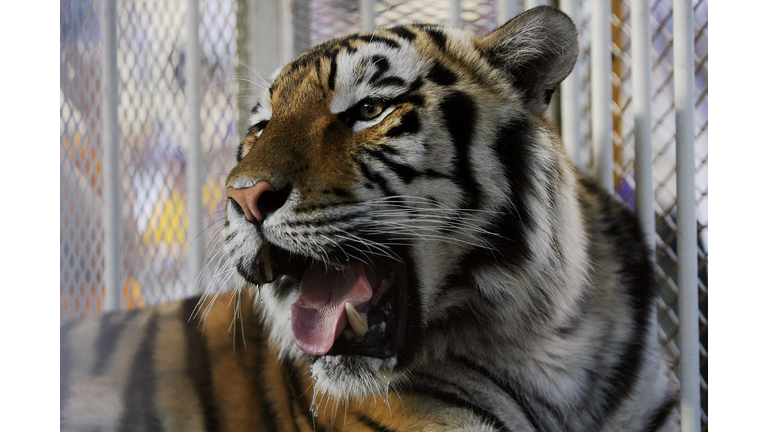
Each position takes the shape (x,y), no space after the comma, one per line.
(376,179)
(459,114)
(405,173)
(437,36)
(409,124)
(661,414)
(514,149)
(414,336)
(441,75)
(513,391)
(380,39)
(381,64)
(267,410)
(318,67)
(414,98)
(296,391)
(111,327)
(294,399)
(415,85)
(338,192)
(637,273)
(389,149)
(332,73)
(403,33)
(389,81)
(256,108)
(198,364)
(139,397)
(258,126)
(453,399)
(373,424)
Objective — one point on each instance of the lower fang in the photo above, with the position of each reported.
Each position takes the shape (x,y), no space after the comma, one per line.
(357,322)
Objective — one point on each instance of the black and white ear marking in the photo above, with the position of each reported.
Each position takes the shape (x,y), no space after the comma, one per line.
(536,50)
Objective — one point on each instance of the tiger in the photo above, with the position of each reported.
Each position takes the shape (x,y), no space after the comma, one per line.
(415,252)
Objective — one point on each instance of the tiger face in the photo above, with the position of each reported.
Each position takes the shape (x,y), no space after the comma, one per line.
(377,170)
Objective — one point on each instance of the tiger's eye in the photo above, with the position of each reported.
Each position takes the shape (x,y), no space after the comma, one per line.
(370,109)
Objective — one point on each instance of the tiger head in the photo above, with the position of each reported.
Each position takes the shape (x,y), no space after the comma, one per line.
(380,173)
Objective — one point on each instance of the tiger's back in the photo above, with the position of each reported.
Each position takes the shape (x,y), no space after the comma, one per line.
(425,257)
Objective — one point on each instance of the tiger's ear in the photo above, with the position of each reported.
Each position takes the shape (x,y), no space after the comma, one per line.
(536,50)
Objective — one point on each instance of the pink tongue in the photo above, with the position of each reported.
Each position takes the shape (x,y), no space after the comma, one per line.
(318,316)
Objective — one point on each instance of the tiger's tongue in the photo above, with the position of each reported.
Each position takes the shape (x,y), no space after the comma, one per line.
(318,315)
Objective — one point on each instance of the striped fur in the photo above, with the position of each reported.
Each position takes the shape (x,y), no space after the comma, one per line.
(522,295)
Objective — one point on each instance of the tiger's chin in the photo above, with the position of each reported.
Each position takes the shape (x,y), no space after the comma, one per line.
(346,377)
(350,318)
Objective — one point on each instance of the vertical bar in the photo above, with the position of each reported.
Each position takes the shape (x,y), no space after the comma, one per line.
(602,122)
(367,22)
(641,105)
(454,13)
(528,4)
(301,25)
(286,31)
(569,99)
(688,299)
(264,48)
(194,151)
(505,11)
(111,158)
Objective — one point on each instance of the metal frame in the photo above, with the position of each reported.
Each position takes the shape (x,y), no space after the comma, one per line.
(111,158)
(641,105)
(602,121)
(687,250)
(194,150)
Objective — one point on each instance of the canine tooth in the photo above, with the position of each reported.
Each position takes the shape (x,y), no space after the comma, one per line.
(267,261)
(385,285)
(356,321)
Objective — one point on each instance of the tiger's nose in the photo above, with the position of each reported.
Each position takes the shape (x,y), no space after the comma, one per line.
(258,201)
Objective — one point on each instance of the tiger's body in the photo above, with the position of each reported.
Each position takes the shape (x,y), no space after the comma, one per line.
(426,259)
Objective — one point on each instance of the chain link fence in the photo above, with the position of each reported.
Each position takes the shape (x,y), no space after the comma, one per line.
(663,128)
(152,118)
(153,141)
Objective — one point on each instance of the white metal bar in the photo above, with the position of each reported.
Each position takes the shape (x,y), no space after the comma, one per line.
(569,99)
(602,122)
(688,296)
(528,4)
(641,106)
(286,31)
(194,150)
(505,11)
(367,22)
(454,13)
(111,157)
(263,40)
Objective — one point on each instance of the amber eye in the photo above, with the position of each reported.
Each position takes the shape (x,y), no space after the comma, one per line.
(370,109)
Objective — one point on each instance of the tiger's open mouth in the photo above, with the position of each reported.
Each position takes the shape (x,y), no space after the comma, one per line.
(353,309)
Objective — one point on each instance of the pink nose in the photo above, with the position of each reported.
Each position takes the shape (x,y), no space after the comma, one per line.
(248,199)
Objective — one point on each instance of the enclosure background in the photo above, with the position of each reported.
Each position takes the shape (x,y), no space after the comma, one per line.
(153,144)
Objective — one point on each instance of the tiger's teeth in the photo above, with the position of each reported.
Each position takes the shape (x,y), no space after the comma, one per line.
(266,262)
(358,324)
(385,285)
